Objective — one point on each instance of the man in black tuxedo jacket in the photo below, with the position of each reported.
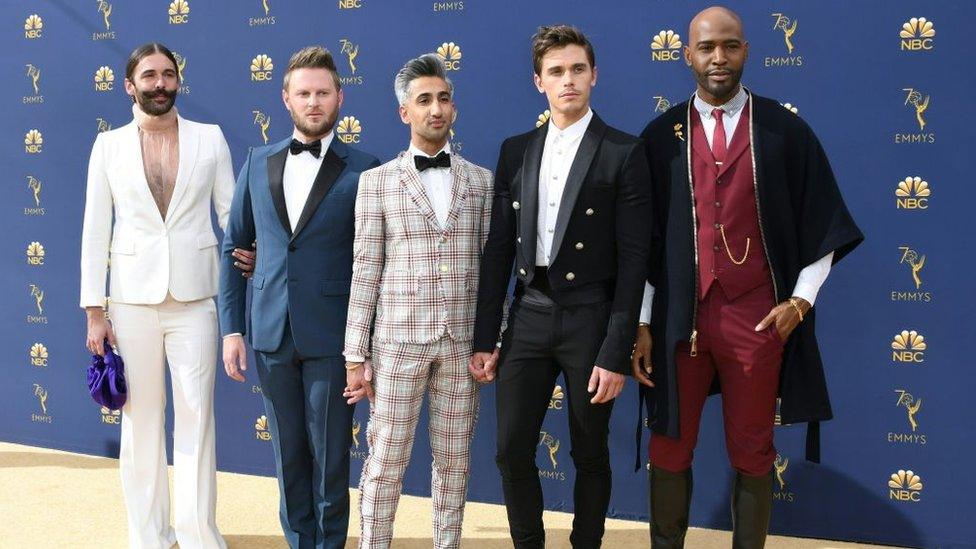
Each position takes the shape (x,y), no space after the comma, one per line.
(571,211)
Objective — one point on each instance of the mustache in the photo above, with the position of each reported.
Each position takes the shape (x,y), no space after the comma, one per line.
(159,93)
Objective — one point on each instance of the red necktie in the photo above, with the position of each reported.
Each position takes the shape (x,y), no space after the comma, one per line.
(719,145)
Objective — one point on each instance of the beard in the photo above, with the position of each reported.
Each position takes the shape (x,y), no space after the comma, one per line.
(147,103)
(723,90)
(314,130)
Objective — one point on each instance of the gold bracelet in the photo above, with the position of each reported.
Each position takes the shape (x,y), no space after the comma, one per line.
(355,366)
(797,307)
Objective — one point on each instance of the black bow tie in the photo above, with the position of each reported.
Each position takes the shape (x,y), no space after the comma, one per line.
(442,160)
(315,147)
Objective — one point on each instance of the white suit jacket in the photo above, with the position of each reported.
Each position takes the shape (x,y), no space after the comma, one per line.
(150,256)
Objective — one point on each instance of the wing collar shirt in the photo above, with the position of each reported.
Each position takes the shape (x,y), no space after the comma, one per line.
(558,154)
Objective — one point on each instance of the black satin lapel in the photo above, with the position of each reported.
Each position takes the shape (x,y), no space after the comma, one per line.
(276,182)
(529,206)
(574,182)
(329,172)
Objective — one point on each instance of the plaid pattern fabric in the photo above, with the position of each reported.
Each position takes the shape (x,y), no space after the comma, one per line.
(417,280)
(402,372)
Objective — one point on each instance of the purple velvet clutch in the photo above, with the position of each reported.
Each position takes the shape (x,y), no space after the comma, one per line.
(106,379)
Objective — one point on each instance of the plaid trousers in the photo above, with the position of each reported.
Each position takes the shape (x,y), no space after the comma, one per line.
(402,373)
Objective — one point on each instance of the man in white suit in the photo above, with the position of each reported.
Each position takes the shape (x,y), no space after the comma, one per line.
(158,176)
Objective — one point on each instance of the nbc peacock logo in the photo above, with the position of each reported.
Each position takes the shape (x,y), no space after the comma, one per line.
(33,26)
(450,54)
(33,141)
(111,417)
(104,79)
(350,4)
(38,355)
(912,193)
(908,346)
(542,118)
(905,486)
(556,400)
(261,67)
(349,130)
(666,46)
(179,12)
(35,254)
(917,34)
(261,428)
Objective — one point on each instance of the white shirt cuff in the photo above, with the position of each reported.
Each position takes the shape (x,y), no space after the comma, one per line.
(648,299)
(354,358)
(812,277)
(234,334)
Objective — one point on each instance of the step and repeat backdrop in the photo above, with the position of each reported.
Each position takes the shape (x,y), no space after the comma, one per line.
(886,86)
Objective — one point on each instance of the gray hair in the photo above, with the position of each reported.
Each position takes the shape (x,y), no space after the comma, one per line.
(428,64)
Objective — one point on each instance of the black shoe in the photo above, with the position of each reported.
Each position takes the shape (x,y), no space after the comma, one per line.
(670,501)
(752,503)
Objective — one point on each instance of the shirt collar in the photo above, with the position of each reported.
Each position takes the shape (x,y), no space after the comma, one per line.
(574,130)
(326,142)
(731,107)
(414,151)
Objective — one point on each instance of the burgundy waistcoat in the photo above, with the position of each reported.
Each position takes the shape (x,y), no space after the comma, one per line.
(725,197)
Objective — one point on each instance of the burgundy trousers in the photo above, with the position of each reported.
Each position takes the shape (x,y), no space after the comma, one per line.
(747,364)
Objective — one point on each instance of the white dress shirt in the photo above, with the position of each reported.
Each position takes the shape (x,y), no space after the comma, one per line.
(558,154)
(300,172)
(437,184)
(812,277)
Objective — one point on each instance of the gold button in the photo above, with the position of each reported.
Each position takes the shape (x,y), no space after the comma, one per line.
(570,277)
(516,205)
(579,245)
(444,268)
(589,211)
(522,272)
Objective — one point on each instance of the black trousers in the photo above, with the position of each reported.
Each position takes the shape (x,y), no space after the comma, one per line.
(541,341)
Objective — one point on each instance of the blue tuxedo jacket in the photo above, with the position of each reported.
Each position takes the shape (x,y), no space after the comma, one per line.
(301,277)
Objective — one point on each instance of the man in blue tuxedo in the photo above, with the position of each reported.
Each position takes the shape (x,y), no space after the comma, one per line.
(297,198)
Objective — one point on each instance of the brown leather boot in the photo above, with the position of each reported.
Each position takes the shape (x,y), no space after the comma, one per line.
(670,502)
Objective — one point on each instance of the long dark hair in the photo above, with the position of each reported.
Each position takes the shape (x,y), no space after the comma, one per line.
(145,51)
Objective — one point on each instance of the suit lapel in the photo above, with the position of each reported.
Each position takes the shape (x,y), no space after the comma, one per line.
(577,173)
(459,192)
(189,144)
(412,184)
(135,146)
(529,208)
(276,184)
(332,166)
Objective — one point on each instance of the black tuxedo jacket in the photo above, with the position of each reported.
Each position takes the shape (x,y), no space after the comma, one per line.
(601,238)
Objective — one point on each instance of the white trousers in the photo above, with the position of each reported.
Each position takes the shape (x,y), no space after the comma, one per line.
(185,336)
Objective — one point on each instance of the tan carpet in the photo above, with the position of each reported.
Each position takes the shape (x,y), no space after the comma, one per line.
(59,499)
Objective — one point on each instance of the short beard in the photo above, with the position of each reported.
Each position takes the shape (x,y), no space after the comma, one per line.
(720,91)
(148,106)
(317,130)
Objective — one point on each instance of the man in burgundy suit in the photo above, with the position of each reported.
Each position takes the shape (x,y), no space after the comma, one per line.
(748,221)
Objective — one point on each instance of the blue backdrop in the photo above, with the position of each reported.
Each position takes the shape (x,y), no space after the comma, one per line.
(880,82)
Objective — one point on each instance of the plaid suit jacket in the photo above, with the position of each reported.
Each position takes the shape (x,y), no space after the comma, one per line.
(412,280)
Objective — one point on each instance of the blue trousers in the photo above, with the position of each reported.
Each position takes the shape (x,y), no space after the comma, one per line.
(311,430)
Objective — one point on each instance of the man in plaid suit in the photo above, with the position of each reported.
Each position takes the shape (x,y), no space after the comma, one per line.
(421,221)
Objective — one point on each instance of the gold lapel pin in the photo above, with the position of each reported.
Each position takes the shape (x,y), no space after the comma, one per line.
(678,133)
